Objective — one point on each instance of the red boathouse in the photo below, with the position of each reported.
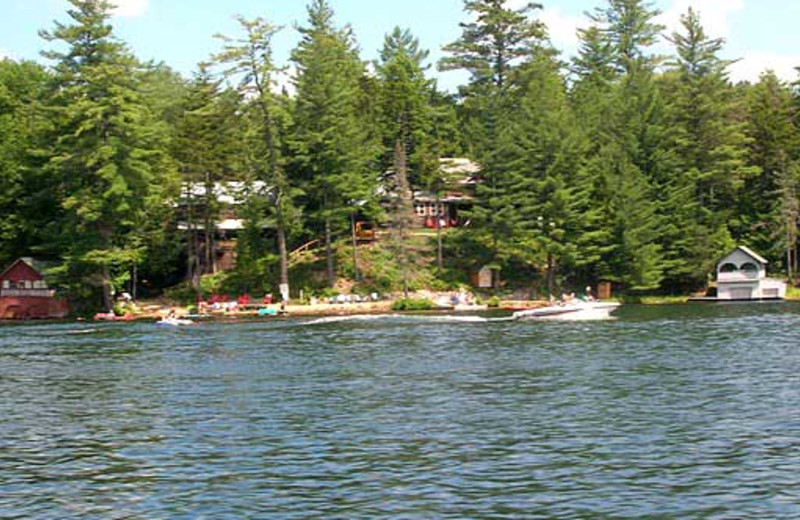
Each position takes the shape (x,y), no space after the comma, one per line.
(24,295)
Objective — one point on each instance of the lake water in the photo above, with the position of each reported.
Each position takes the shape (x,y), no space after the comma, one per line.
(673,412)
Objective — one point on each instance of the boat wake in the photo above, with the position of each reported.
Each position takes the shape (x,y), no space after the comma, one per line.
(354,317)
(449,318)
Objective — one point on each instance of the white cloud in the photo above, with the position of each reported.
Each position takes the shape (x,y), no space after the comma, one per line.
(130,8)
(562,28)
(713,15)
(753,64)
(284,80)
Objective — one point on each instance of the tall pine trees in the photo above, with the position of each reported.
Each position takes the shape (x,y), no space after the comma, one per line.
(709,152)
(105,158)
(249,60)
(332,143)
(491,48)
(628,133)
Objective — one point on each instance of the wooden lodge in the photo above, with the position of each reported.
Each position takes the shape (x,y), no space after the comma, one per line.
(24,294)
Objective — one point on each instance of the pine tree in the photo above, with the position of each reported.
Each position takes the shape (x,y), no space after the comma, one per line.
(624,121)
(628,28)
(492,48)
(105,156)
(709,150)
(207,148)
(406,119)
(22,127)
(249,59)
(332,142)
(768,203)
(544,186)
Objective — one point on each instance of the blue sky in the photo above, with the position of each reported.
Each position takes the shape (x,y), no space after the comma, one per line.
(761,33)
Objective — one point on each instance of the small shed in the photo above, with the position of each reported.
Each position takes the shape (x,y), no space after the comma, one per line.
(24,294)
(742,275)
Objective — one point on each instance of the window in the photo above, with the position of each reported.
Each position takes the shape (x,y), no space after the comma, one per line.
(728,268)
(749,267)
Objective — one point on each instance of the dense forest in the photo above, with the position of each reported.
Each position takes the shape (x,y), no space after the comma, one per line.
(618,164)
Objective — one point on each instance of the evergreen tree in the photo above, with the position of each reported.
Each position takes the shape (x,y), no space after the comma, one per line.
(627,156)
(207,146)
(105,157)
(768,204)
(406,119)
(709,150)
(544,187)
(492,48)
(493,45)
(332,141)
(249,59)
(628,28)
(27,210)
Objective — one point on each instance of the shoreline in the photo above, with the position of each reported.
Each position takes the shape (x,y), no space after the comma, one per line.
(324,310)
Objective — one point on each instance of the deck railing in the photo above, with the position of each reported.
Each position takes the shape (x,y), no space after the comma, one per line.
(26,293)
(738,276)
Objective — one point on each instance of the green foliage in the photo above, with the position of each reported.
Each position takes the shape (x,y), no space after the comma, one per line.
(107,153)
(493,302)
(28,211)
(265,120)
(332,144)
(413,305)
(634,168)
(489,46)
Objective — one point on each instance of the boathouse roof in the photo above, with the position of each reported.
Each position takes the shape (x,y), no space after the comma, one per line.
(21,270)
(749,252)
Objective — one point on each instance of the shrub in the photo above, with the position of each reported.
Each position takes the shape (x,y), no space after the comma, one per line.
(494,302)
(411,304)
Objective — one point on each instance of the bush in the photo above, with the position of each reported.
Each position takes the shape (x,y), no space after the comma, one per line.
(411,304)
(493,302)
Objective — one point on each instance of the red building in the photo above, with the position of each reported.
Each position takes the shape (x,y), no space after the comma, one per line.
(24,294)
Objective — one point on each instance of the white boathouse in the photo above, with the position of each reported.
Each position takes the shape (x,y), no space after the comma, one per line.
(742,275)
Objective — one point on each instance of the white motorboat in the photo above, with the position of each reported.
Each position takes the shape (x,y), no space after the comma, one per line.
(574,311)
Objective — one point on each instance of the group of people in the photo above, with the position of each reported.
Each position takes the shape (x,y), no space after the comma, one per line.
(342,299)
(570,298)
(462,297)
(226,304)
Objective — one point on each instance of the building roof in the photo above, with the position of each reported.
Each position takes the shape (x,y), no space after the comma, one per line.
(460,170)
(228,192)
(749,252)
(21,266)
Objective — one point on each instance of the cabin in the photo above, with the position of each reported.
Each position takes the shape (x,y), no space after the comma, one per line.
(24,294)
(227,198)
(742,275)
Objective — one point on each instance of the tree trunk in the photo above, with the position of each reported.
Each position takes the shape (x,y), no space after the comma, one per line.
(284,255)
(329,253)
(356,274)
(135,281)
(402,210)
(193,243)
(439,259)
(108,303)
(211,260)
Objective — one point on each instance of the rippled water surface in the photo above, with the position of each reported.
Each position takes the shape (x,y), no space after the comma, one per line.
(676,412)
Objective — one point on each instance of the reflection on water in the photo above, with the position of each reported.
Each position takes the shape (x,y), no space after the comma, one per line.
(675,412)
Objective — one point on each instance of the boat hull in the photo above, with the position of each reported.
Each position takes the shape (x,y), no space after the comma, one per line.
(583,311)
